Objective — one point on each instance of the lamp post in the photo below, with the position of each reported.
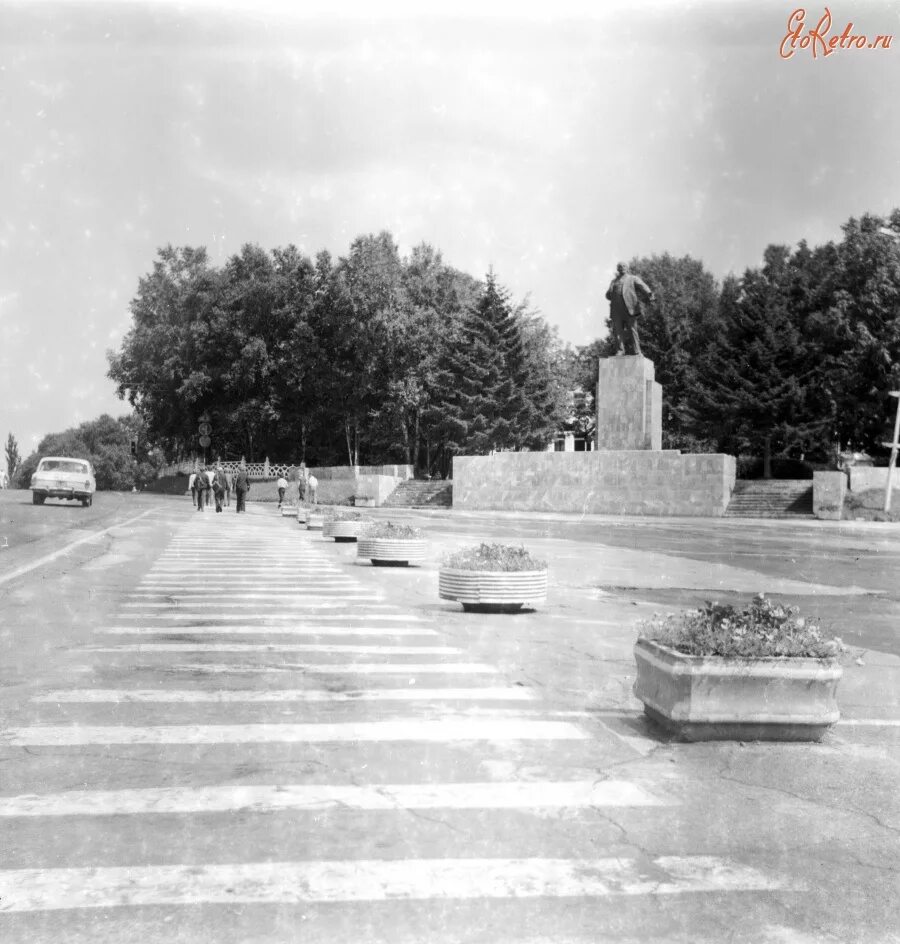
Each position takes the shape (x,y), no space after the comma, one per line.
(895,444)
(204,428)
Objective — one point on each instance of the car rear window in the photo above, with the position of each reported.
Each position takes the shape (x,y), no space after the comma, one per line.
(64,465)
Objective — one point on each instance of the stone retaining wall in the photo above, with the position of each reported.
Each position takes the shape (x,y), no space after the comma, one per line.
(639,482)
(864,477)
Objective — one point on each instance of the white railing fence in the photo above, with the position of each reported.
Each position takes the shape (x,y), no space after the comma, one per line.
(269,471)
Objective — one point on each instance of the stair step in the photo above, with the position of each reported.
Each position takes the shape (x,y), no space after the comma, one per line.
(768,498)
(418,494)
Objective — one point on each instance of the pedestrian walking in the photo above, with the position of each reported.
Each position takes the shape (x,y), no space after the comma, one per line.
(192,485)
(312,490)
(202,485)
(219,487)
(301,486)
(241,487)
(282,488)
(228,486)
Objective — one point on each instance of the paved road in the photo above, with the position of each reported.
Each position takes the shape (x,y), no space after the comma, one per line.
(224,728)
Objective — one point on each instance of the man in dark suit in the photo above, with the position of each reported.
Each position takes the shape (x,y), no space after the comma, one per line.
(625,294)
(241,487)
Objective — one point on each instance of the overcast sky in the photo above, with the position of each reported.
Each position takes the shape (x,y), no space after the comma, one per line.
(548,144)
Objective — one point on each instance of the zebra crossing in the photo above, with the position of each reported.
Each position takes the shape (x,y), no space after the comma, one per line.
(186,785)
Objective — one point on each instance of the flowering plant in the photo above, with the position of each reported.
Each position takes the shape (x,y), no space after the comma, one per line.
(337,514)
(502,557)
(763,630)
(387,529)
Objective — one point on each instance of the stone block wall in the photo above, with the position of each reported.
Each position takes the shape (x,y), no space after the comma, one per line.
(829,489)
(376,488)
(636,482)
(864,477)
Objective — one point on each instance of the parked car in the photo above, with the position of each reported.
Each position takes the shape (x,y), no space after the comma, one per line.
(60,477)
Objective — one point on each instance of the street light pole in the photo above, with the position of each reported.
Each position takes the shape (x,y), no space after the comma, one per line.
(895,444)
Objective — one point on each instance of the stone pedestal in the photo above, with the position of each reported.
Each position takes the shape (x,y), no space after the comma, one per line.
(629,404)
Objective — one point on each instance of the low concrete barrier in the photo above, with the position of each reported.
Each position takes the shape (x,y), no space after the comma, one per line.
(639,482)
(864,477)
(829,489)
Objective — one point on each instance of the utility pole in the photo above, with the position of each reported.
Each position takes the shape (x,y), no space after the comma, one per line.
(894,446)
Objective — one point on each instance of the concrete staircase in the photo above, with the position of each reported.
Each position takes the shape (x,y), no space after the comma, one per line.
(415,494)
(771,498)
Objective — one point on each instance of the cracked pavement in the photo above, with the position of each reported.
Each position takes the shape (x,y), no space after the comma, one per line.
(822,818)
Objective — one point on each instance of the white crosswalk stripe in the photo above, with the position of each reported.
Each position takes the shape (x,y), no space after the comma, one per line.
(366,880)
(174,695)
(415,796)
(419,728)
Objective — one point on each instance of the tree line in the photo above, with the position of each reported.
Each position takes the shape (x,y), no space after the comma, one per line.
(373,358)
(366,359)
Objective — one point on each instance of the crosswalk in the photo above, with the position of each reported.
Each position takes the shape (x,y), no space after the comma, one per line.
(270,729)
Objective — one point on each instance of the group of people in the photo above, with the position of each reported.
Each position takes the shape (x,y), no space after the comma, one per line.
(220,484)
(307,487)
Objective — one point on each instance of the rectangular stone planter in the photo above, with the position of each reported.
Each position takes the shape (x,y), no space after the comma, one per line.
(704,698)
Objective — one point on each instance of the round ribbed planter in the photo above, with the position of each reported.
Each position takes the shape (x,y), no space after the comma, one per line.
(391,552)
(315,521)
(492,591)
(288,511)
(302,515)
(344,530)
(709,698)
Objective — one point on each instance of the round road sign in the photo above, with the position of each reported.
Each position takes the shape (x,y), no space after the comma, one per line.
(205,441)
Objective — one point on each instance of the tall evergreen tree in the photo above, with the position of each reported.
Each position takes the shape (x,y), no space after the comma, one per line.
(757,377)
(12,456)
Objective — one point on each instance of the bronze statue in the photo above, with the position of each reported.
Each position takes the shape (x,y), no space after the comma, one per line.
(625,294)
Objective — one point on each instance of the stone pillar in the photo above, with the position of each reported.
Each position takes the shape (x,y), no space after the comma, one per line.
(829,489)
(629,404)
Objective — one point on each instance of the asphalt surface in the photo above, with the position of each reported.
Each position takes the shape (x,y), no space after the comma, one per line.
(159,738)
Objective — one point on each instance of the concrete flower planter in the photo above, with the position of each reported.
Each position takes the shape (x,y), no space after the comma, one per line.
(315,521)
(344,530)
(288,511)
(706,698)
(302,515)
(492,591)
(391,552)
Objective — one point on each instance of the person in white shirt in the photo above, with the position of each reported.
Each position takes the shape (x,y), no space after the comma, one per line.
(282,487)
(312,484)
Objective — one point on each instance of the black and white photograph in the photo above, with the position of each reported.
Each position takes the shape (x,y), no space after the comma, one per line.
(449,484)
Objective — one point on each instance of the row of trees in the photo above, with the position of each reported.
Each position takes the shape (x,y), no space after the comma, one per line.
(370,358)
(107,444)
(376,358)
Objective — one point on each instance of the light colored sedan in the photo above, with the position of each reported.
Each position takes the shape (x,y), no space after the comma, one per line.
(60,477)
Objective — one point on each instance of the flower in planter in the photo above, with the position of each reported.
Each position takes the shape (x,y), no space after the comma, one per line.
(764,629)
(499,557)
(394,532)
(719,673)
(341,514)
(493,578)
(392,545)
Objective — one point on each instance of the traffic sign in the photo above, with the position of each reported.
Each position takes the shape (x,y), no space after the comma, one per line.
(204,429)
(205,441)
